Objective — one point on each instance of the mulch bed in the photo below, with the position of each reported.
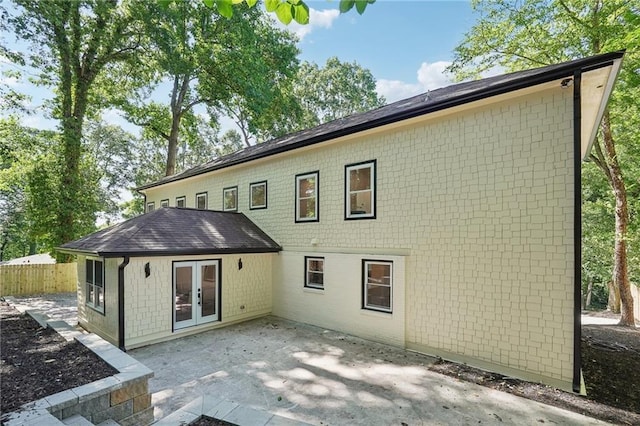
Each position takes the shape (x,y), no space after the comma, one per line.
(210,421)
(36,362)
(611,370)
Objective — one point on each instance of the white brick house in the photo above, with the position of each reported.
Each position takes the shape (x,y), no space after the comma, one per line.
(447,223)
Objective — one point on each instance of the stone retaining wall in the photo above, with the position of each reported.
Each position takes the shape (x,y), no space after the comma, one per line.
(123,397)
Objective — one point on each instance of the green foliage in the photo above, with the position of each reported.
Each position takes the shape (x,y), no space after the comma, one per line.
(337,90)
(532,33)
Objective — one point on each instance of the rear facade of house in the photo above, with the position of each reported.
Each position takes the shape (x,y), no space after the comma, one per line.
(450,232)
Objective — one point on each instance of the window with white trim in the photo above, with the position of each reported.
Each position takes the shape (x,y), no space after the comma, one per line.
(181,201)
(314,272)
(94,272)
(258,195)
(151,206)
(201,201)
(307,197)
(360,190)
(164,203)
(230,199)
(377,291)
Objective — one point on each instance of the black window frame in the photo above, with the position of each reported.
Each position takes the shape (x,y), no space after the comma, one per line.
(164,203)
(151,204)
(364,283)
(206,200)
(348,215)
(224,191)
(297,218)
(182,199)
(307,284)
(251,187)
(90,297)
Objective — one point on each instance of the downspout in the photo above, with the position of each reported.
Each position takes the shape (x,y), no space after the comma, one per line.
(577,232)
(121,267)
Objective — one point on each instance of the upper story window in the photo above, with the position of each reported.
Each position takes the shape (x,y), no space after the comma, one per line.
(230,199)
(307,197)
(181,201)
(151,206)
(314,272)
(94,272)
(258,195)
(377,290)
(360,190)
(164,203)
(201,201)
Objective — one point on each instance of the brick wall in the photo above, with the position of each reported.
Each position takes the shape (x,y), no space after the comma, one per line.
(480,199)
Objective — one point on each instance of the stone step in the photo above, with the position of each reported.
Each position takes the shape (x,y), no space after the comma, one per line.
(76,420)
(109,422)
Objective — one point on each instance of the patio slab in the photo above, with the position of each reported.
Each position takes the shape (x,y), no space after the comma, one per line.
(322,377)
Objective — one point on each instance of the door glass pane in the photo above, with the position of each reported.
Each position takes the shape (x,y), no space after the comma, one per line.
(208,285)
(184,294)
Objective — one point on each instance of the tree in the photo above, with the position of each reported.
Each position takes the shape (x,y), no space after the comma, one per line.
(209,61)
(540,32)
(72,43)
(335,91)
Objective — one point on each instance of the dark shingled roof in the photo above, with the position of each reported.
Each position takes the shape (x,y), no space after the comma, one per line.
(175,231)
(425,103)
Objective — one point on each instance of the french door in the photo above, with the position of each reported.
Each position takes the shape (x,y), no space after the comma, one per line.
(195,292)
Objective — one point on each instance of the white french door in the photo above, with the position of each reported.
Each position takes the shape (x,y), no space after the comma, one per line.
(195,292)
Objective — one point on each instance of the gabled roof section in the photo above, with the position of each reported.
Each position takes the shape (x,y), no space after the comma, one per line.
(435,100)
(176,231)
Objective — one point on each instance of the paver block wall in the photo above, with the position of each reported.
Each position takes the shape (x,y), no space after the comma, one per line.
(482,200)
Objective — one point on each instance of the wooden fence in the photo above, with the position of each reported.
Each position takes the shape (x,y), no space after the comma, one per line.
(18,280)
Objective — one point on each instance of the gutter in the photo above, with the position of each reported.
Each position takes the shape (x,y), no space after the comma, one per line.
(121,267)
(523,82)
(577,231)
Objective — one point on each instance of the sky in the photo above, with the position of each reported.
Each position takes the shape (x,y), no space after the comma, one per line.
(405,44)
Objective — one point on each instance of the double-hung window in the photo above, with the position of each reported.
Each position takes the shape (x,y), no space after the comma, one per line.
(201,201)
(307,197)
(230,199)
(151,206)
(314,272)
(94,271)
(181,201)
(377,291)
(258,195)
(164,203)
(360,190)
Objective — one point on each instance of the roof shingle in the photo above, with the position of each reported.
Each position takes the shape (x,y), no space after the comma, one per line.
(174,231)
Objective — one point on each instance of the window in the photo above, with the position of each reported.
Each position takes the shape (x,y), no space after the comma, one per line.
(94,284)
(314,272)
(201,201)
(360,190)
(164,203)
(307,197)
(181,201)
(258,195)
(377,291)
(151,206)
(230,199)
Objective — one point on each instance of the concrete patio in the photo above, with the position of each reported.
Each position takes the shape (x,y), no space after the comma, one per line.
(322,377)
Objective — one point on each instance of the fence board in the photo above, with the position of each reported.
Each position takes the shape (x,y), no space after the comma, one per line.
(19,280)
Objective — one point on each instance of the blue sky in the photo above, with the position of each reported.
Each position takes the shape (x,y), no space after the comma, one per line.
(405,44)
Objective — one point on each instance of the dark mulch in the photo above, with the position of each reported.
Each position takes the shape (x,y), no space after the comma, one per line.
(36,362)
(210,421)
(611,370)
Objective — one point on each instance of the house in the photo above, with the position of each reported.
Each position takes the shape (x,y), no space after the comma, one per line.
(447,223)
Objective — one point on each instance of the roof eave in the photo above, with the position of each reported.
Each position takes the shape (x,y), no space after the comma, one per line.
(523,82)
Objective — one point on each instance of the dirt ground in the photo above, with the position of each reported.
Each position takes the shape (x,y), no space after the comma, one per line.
(610,367)
(36,362)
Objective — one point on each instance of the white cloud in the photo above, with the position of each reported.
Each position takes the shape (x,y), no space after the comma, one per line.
(317,19)
(429,76)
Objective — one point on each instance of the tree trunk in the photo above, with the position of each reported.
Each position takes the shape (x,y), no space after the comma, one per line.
(613,304)
(172,149)
(620,269)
